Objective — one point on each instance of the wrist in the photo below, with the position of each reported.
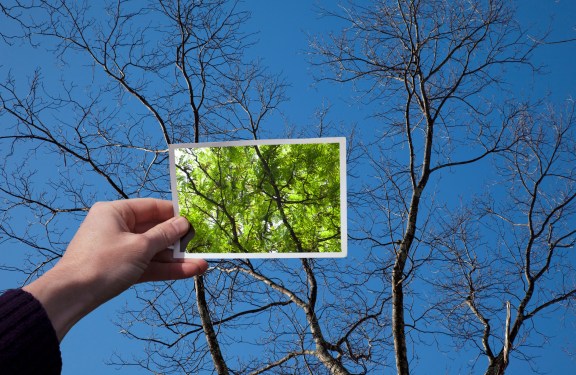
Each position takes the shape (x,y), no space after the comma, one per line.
(66,298)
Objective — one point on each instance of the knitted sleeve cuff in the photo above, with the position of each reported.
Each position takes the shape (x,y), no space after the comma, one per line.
(28,342)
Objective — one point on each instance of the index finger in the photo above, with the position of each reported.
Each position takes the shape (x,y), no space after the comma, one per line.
(148,210)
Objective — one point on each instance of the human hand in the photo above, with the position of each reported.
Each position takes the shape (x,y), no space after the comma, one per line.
(119,244)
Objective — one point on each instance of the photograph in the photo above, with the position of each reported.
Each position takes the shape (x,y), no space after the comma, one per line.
(261,199)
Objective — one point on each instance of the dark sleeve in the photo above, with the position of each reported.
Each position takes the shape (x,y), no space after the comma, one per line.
(28,342)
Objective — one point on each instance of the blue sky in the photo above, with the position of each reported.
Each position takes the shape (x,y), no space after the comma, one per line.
(283,28)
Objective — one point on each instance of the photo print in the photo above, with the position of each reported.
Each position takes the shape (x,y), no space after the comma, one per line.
(261,199)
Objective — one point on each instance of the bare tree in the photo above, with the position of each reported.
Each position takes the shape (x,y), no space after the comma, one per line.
(298,301)
(167,72)
(520,271)
(429,69)
(169,61)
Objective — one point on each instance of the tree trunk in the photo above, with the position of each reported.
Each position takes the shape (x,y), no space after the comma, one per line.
(207,326)
(398,325)
(322,347)
(497,366)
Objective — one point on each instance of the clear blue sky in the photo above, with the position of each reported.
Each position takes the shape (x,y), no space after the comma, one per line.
(283,27)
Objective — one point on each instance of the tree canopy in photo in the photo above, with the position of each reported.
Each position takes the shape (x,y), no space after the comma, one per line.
(261,199)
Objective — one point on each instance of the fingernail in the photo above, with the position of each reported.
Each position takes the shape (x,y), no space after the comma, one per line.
(182,224)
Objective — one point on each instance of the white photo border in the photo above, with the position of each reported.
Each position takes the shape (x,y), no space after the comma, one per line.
(177,253)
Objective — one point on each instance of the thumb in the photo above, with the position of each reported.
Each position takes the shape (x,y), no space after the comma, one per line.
(166,234)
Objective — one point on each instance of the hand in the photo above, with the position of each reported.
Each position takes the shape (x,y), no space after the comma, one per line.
(119,244)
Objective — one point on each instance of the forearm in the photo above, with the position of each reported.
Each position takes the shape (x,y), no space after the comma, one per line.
(66,296)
